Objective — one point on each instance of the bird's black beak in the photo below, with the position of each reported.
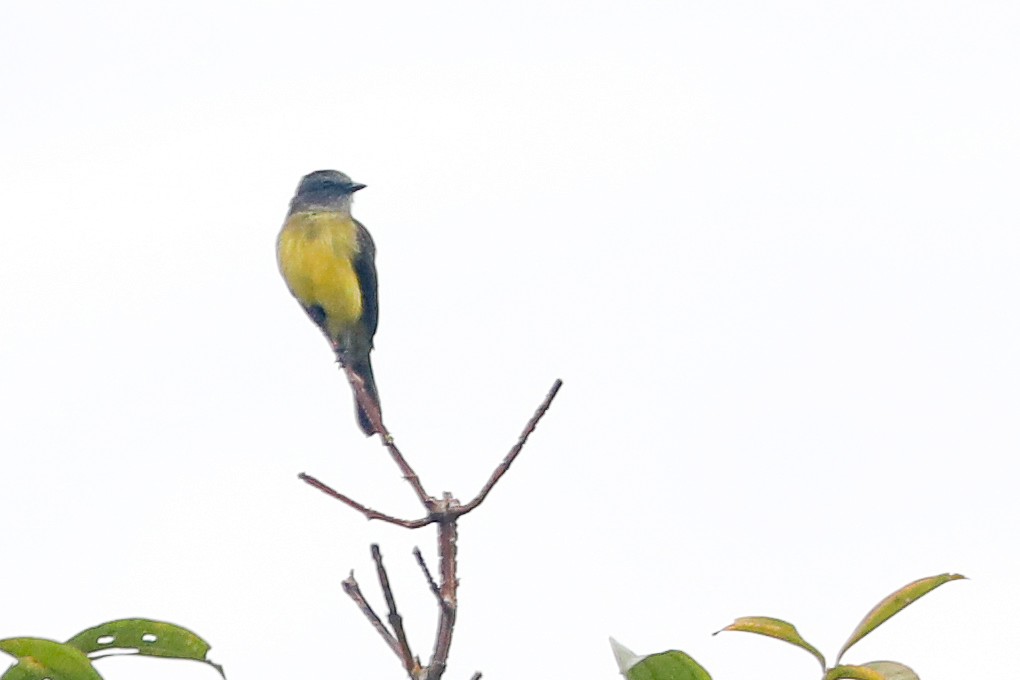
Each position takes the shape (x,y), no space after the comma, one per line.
(356,187)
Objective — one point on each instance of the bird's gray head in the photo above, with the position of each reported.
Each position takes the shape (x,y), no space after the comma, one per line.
(324,189)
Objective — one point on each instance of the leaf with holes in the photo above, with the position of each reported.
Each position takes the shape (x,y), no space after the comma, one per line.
(893,604)
(149,638)
(39,658)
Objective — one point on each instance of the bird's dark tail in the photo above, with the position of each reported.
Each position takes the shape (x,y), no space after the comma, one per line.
(363,368)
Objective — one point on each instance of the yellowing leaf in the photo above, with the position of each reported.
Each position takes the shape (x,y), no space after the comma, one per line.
(854,673)
(893,604)
(774,628)
(891,670)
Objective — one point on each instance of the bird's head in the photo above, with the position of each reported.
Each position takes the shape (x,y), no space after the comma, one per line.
(329,189)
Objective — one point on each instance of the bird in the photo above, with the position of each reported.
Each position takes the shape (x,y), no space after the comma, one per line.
(327,259)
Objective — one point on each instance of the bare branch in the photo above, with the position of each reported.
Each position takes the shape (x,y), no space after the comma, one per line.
(396,621)
(443,512)
(372,409)
(369,513)
(354,592)
(509,459)
(433,586)
(447,588)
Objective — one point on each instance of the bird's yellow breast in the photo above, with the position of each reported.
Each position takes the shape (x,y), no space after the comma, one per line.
(316,253)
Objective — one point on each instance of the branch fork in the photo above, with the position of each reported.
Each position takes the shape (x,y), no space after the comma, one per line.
(444,512)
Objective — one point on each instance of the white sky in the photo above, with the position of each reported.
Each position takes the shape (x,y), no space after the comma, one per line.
(771,248)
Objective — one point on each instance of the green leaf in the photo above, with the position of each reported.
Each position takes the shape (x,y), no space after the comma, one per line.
(672,665)
(891,670)
(893,604)
(149,638)
(774,628)
(853,673)
(39,658)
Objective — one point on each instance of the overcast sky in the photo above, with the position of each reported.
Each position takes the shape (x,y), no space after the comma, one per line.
(770,247)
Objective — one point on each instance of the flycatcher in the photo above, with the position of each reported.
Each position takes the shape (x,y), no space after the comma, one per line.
(327,259)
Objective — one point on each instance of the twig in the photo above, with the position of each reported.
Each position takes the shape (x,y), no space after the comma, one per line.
(433,586)
(372,409)
(396,621)
(369,513)
(509,459)
(477,676)
(354,592)
(447,512)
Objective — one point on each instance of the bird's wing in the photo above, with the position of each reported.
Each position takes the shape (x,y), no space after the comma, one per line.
(364,267)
